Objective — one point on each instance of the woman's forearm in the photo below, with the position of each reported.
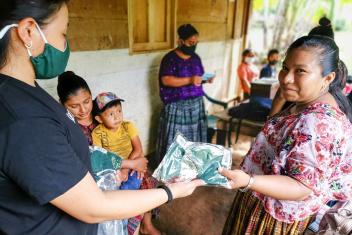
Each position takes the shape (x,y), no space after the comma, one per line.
(135,154)
(278,104)
(280,187)
(86,202)
(172,81)
(247,84)
(134,203)
(126,163)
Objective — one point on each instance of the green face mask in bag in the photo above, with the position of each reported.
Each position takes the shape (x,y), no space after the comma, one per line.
(186,161)
(52,62)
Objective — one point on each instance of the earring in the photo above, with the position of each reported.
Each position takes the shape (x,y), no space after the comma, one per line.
(29,46)
(323,88)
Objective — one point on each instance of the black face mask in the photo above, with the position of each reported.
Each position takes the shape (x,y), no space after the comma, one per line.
(273,62)
(188,50)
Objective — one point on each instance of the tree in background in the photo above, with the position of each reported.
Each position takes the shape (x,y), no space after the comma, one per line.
(284,20)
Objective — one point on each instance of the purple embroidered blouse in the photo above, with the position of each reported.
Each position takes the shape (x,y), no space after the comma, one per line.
(173,65)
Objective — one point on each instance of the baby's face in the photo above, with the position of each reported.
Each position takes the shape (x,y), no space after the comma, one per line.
(112,117)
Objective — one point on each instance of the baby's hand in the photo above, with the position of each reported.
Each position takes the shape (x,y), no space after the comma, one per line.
(124,174)
(140,164)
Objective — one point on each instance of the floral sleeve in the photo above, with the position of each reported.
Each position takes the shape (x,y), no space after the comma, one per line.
(312,151)
(313,147)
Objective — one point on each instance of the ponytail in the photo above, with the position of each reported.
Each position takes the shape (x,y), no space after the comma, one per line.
(336,88)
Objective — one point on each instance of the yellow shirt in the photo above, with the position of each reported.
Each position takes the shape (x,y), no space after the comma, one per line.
(118,141)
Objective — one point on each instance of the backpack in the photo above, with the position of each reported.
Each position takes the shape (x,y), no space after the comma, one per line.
(337,220)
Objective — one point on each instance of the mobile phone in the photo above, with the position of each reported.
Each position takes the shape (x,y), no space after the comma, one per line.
(207,76)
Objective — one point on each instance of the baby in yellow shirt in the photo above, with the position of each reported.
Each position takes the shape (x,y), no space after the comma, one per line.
(113,133)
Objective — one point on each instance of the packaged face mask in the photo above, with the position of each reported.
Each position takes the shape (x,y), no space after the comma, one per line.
(102,160)
(186,160)
(104,167)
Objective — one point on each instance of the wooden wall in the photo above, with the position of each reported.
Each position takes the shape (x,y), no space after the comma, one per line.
(98,25)
(208,16)
(103,24)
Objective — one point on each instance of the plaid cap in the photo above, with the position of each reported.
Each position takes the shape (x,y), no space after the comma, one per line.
(104,98)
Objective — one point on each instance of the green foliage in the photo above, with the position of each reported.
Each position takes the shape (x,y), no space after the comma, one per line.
(258,5)
(346,1)
(320,12)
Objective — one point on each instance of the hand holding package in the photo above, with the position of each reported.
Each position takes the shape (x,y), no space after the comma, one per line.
(186,160)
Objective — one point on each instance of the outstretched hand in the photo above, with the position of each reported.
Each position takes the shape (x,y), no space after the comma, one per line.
(183,189)
(237,178)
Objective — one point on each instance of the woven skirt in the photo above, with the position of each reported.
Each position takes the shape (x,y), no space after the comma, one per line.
(148,182)
(248,216)
(185,116)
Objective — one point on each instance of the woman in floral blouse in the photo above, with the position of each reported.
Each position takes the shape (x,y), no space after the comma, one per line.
(303,156)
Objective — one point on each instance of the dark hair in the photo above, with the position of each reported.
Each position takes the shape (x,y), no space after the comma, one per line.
(349,79)
(186,31)
(324,28)
(272,52)
(328,53)
(12,11)
(246,52)
(97,111)
(68,84)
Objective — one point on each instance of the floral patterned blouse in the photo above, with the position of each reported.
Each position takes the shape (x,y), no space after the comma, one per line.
(87,131)
(315,148)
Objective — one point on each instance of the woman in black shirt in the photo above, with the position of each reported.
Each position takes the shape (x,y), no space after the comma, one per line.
(45,183)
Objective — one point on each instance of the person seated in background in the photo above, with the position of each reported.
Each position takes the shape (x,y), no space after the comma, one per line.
(247,71)
(270,70)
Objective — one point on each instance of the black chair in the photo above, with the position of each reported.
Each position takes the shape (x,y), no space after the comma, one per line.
(250,114)
(220,116)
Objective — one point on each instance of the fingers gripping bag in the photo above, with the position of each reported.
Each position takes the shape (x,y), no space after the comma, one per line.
(105,166)
(186,160)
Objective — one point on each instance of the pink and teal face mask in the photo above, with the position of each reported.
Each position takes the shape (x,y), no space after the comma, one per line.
(51,63)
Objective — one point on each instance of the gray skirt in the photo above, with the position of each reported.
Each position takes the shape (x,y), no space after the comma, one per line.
(184,116)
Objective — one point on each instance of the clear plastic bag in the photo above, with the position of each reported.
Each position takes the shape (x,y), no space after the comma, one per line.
(107,180)
(186,160)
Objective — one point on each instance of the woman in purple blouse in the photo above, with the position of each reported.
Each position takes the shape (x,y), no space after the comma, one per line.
(181,92)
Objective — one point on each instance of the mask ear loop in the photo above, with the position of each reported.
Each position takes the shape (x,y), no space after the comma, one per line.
(5,29)
(29,46)
(41,33)
(43,36)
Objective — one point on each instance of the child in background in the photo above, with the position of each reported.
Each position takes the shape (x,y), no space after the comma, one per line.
(120,137)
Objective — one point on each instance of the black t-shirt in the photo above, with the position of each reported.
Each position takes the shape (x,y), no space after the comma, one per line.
(43,153)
